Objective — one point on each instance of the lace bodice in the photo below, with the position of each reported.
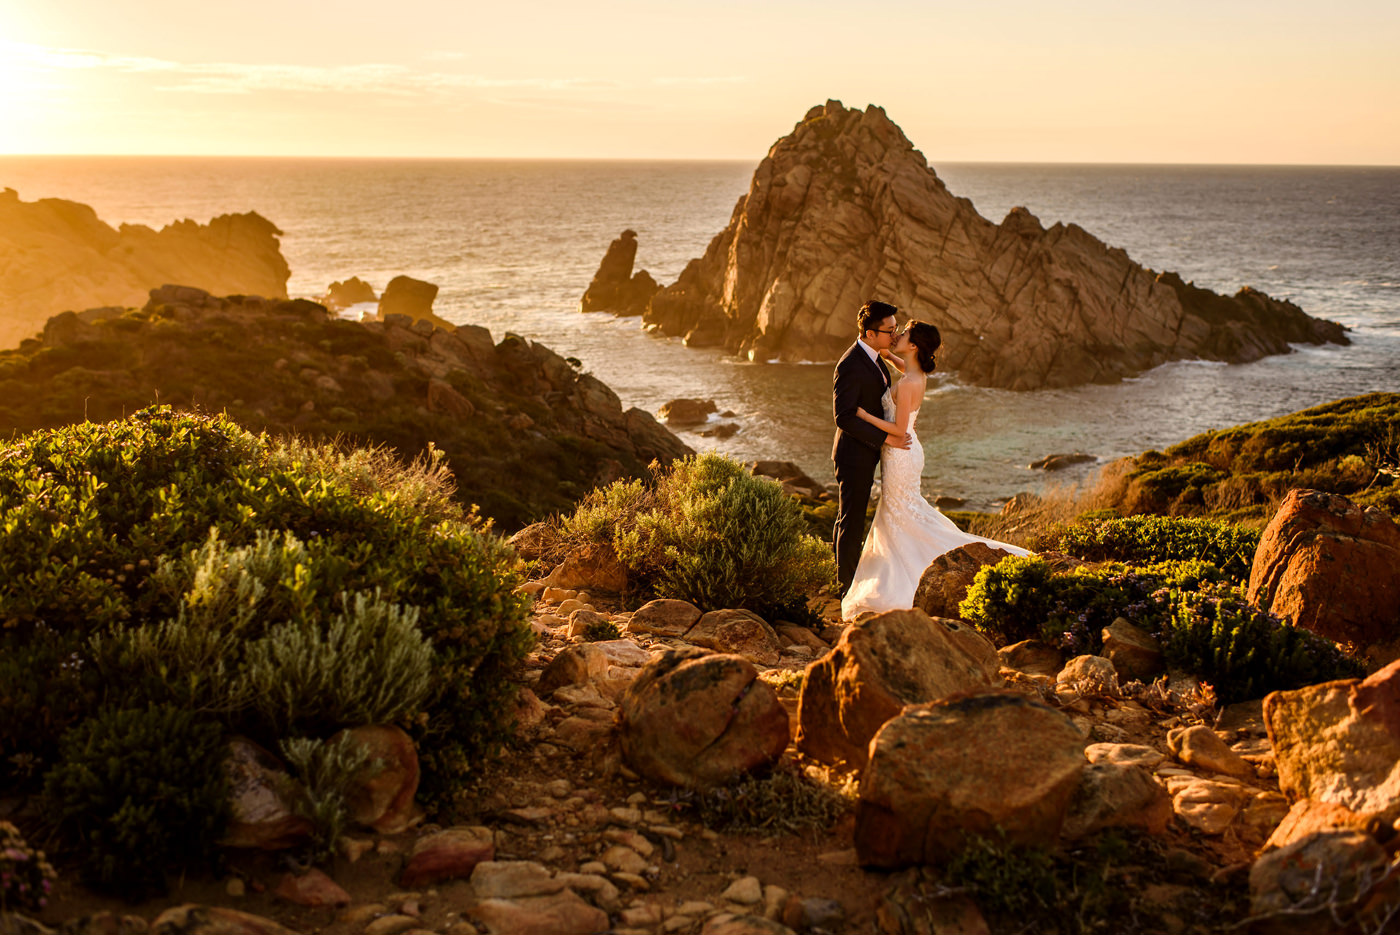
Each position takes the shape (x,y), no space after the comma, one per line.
(908,532)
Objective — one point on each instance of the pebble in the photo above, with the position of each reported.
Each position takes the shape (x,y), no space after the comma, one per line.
(624,859)
(746,891)
(632,839)
(391,925)
(628,815)
(636,882)
(354,915)
(593,867)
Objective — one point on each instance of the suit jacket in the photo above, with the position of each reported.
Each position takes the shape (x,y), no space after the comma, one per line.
(858,382)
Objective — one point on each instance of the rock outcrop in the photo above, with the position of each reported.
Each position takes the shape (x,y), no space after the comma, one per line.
(414,298)
(881,664)
(353,291)
(524,433)
(615,288)
(57,256)
(844,209)
(1330,566)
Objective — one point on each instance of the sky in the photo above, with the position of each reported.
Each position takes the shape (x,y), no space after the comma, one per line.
(1224,81)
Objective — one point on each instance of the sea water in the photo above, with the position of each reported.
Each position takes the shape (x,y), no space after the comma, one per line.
(513,244)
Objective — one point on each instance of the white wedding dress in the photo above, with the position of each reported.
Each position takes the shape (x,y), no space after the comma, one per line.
(908,533)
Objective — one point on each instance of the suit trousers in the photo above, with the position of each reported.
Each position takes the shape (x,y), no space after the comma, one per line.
(854,478)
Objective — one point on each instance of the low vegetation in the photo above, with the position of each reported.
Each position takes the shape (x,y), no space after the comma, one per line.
(168,579)
(705,530)
(1190,599)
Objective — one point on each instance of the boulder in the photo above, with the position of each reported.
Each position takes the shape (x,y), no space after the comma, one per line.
(1032,657)
(1088,675)
(1125,754)
(944,583)
(697,719)
(1199,746)
(1332,567)
(594,566)
(879,665)
(1206,805)
(411,297)
(261,818)
(792,477)
(687,411)
(664,617)
(442,397)
(1339,742)
(381,796)
(845,208)
(1112,795)
(977,765)
(562,913)
(1309,816)
(194,919)
(536,541)
(353,291)
(453,854)
(742,632)
(312,888)
(1134,652)
(615,288)
(1060,461)
(1321,884)
(575,665)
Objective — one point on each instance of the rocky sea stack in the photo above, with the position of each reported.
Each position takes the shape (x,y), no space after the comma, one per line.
(844,209)
(57,255)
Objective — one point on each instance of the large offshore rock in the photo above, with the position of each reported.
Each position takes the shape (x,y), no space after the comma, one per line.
(879,665)
(615,288)
(979,765)
(1332,567)
(58,257)
(844,209)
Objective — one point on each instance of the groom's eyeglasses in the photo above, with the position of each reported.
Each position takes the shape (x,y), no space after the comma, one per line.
(883,331)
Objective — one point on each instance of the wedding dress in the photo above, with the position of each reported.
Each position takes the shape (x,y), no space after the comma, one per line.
(908,533)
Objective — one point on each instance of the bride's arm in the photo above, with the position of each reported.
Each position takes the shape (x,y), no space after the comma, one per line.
(888,427)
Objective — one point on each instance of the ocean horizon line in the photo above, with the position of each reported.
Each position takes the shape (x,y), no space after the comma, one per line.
(666,160)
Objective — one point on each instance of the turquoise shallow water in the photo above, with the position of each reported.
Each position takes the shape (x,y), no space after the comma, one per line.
(513,244)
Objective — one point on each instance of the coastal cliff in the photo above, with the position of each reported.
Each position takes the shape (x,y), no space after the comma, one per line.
(845,209)
(524,431)
(57,255)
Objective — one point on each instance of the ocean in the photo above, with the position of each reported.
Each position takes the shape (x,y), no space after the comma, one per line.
(513,245)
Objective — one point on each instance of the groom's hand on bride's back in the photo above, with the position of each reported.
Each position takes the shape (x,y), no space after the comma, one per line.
(899,441)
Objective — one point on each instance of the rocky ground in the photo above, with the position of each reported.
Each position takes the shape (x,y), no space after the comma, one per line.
(561,836)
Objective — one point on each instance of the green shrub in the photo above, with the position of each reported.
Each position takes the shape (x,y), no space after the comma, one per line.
(1244,652)
(26,877)
(369,665)
(1148,540)
(139,792)
(141,559)
(1011,600)
(711,533)
(324,771)
(600,630)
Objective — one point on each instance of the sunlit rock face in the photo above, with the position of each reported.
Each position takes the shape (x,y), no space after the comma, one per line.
(845,209)
(57,256)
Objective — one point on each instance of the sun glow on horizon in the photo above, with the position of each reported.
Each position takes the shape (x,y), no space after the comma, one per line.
(1092,82)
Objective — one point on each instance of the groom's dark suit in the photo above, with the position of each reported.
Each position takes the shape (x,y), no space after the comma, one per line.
(859,382)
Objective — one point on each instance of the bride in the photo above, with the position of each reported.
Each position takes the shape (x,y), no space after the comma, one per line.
(908,532)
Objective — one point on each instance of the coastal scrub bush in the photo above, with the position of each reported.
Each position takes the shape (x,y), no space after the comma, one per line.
(26,876)
(708,531)
(1148,540)
(324,771)
(1244,652)
(138,792)
(1201,619)
(142,560)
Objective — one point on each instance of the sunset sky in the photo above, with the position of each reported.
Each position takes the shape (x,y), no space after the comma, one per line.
(1224,81)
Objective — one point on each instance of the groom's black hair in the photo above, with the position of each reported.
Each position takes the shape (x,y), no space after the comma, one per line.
(872,313)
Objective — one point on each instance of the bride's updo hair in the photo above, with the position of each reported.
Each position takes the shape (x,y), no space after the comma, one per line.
(926,338)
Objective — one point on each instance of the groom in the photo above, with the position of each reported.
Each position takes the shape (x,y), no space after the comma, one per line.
(860,381)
